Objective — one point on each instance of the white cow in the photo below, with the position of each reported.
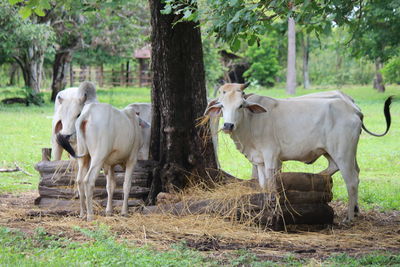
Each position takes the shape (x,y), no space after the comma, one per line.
(67,107)
(144,111)
(268,131)
(106,137)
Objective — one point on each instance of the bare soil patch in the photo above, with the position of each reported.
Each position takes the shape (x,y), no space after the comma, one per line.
(372,231)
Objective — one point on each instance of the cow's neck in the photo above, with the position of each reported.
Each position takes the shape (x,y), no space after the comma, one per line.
(243,138)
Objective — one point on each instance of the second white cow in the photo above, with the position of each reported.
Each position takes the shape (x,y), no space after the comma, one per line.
(268,131)
(106,137)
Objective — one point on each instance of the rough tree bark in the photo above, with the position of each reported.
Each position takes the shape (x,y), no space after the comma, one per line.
(31,64)
(291,61)
(60,71)
(178,100)
(378,82)
(306,56)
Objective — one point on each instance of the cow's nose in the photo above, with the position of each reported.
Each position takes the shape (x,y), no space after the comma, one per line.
(228,127)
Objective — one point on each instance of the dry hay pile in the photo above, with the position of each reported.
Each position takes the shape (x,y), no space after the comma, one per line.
(218,235)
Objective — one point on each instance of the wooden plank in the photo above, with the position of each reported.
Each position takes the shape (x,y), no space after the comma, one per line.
(68,179)
(71,193)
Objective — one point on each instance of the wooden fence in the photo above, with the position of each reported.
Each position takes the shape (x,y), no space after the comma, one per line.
(110,78)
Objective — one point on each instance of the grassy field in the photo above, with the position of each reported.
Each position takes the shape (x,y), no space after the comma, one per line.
(102,249)
(25,130)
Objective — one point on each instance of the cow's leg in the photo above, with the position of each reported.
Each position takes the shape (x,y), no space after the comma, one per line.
(261,175)
(254,172)
(127,184)
(272,167)
(348,168)
(83,166)
(89,182)
(110,189)
(332,167)
(56,151)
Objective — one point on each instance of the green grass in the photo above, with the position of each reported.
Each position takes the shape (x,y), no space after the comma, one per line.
(103,249)
(42,249)
(25,130)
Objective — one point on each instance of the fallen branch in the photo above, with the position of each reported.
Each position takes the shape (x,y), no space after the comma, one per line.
(16,169)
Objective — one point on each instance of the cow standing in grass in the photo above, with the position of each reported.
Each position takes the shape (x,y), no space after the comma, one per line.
(106,137)
(67,107)
(268,131)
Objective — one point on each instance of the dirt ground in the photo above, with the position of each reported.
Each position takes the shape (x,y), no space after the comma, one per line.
(372,231)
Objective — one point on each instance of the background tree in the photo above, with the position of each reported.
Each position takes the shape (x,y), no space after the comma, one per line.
(291,58)
(26,41)
(305,45)
(376,34)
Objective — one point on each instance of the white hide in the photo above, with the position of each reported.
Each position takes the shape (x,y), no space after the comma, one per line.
(106,137)
(144,110)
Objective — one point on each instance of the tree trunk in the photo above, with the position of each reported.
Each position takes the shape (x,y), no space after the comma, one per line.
(60,72)
(13,73)
(31,65)
(291,61)
(178,100)
(306,55)
(379,84)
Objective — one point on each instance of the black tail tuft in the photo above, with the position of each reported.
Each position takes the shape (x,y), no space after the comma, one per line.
(62,140)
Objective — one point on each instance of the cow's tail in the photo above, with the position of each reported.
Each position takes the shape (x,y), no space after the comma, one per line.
(386,111)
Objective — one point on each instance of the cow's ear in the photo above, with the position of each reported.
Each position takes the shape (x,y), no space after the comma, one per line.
(244,86)
(143,123)
(213,111)
(253,107)
(84,98)
(212,102)
(247,96)
(60,99)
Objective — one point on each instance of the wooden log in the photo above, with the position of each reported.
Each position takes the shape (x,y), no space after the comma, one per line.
(257,202)
(68,179)
(71,193)
(300,181)
(253,207)
(46,154)
(68,166)
(51,203)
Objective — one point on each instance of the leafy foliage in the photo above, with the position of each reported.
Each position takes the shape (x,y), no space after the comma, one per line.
(236,21)
(263,59)
(391,71)
(376,30)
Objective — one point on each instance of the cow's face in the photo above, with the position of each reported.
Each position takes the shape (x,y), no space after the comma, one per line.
(232,103)
(70,109)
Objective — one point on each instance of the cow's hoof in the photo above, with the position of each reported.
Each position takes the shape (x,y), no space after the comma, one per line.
(124,214)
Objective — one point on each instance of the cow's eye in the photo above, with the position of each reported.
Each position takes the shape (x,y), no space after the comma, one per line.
(223,92)
(78,115)
(241,106)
